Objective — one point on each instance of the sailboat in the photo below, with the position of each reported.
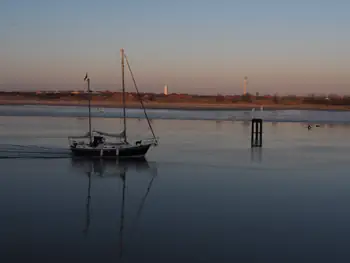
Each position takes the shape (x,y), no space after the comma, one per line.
(108,145)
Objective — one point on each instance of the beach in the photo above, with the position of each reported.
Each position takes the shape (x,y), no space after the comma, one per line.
(175,105)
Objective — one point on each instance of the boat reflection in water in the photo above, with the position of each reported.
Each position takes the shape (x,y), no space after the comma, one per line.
(111,167)
(115,168)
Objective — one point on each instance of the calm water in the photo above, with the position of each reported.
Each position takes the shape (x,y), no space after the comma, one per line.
(311,116)
(202,196)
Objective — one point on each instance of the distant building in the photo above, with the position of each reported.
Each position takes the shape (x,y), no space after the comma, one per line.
(245,85)
(166,90)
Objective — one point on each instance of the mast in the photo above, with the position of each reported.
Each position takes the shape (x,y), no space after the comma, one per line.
(123,89)
(89,99)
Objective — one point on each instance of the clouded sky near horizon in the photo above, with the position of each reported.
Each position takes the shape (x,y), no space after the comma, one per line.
(194,46)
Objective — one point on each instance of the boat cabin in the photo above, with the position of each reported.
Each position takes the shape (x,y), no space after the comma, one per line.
(97,140)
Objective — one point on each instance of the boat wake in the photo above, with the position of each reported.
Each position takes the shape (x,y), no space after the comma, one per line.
(32,151)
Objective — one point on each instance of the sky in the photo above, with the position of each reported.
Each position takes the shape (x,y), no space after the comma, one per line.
(193,46)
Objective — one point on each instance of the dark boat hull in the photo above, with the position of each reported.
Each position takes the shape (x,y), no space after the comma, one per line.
(137,151)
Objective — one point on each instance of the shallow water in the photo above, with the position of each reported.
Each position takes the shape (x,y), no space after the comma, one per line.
(311,116)
(202,196)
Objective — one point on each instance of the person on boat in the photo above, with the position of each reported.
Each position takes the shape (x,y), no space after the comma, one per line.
(97,141)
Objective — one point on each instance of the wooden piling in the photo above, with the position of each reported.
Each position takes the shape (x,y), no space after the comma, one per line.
(256,134)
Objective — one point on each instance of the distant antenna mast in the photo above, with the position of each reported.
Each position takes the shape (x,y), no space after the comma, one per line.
(245,85)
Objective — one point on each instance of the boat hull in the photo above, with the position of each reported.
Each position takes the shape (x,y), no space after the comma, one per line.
(137,151)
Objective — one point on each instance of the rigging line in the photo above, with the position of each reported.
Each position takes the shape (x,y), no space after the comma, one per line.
(139,96)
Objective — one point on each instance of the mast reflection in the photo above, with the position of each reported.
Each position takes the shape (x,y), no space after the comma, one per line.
(87,225)
(114,168)
(123,176)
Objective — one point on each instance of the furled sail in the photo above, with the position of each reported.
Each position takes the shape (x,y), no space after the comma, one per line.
(116,135)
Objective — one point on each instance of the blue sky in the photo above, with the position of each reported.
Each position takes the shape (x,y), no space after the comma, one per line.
(195,46)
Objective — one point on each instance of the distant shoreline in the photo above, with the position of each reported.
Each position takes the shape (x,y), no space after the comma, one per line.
(176,105)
